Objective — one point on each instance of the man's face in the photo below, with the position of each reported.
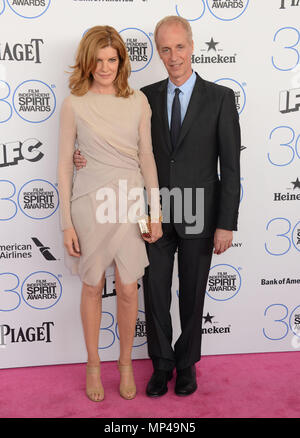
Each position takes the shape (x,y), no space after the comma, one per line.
(175,50)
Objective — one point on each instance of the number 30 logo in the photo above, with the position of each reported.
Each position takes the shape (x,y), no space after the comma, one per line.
(287,40)
(281,239)
(280,328)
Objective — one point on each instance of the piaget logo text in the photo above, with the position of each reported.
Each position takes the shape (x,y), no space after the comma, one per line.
(22,51)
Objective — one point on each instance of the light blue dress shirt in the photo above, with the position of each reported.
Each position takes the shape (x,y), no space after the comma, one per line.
(184,97)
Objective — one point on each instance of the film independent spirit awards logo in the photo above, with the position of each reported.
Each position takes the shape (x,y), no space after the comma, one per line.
(226,10)
(238,89)
(139,47)
(41,290)
(38,199)
(26,8)
(34,101)
(224,282)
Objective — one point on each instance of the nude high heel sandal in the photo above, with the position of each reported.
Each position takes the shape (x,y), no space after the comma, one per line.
(94,393)
(127,391)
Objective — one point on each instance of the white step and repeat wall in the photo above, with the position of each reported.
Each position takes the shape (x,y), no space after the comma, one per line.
(253,46)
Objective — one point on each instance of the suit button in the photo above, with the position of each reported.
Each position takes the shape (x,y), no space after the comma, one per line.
(172,161)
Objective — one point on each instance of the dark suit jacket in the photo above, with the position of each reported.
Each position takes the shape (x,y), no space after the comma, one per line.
(210,133)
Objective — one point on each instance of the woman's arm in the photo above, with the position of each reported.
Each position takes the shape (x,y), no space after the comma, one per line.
(67,137)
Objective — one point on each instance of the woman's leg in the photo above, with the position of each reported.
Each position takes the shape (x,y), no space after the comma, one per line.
(127,308)
(91,309)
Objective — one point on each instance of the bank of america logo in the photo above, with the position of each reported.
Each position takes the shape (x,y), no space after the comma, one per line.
(45,250)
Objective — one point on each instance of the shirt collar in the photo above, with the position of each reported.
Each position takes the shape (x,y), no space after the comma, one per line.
(184,87)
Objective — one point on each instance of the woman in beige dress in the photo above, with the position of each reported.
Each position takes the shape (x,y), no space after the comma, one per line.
(110,122)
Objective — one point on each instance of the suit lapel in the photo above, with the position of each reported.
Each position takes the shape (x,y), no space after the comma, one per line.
(161,107)
(196,104)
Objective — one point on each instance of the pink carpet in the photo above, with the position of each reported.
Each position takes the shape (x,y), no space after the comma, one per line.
(231,386)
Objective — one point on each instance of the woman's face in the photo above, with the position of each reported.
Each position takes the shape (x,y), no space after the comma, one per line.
(107,64)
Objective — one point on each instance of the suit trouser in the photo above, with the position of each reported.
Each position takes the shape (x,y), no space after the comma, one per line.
(194,259)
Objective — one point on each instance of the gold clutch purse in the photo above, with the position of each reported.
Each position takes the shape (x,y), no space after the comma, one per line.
(145,226)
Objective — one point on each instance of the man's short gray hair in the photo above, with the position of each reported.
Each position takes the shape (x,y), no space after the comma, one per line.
(174,19)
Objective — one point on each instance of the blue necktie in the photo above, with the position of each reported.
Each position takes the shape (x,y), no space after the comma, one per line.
(175,118)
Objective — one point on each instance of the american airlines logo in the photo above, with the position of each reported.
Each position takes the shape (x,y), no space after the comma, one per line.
(44,250)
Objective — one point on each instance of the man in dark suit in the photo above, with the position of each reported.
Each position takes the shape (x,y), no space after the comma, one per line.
(195,124)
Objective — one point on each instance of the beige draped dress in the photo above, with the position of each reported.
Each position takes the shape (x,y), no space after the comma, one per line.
(114,135)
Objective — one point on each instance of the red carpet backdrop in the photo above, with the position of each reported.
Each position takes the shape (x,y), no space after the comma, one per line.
(252,298)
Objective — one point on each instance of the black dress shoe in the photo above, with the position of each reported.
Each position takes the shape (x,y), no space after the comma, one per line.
(158,384)
(186,382)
